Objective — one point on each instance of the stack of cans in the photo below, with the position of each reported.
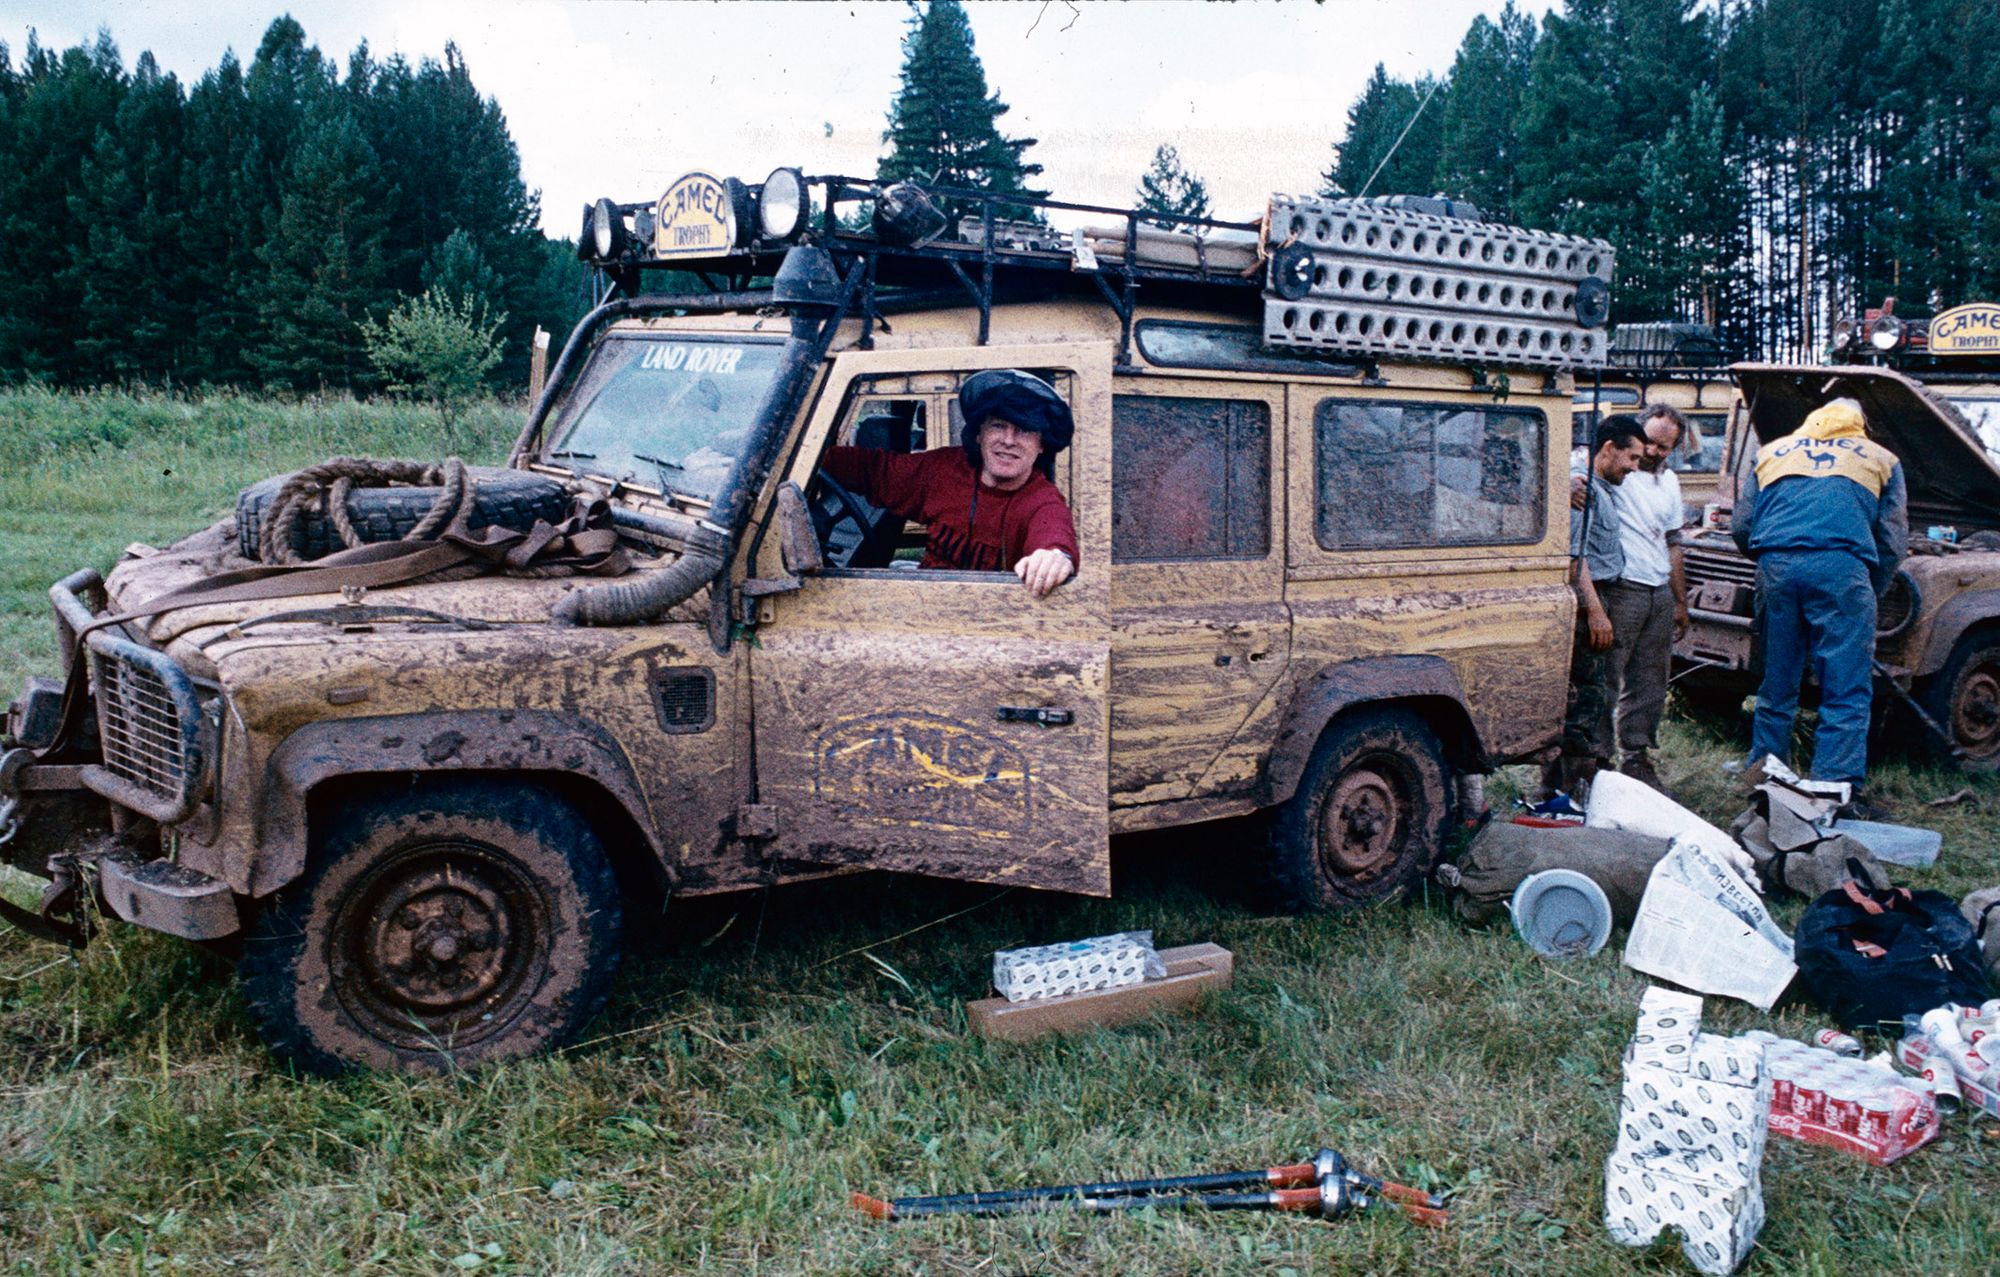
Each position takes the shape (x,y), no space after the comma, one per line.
(1831,1099)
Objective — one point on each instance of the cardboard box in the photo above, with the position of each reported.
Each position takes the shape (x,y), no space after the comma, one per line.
(1691,1133)
(1191,971)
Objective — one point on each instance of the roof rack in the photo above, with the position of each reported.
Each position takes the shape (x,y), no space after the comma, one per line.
(1667,351)
(1398,277)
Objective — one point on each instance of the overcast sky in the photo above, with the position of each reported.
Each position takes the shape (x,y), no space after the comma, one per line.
(617,97)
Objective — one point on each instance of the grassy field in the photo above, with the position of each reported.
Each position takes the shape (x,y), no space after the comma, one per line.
(765,1055)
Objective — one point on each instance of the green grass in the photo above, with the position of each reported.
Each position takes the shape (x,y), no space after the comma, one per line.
(764,1055)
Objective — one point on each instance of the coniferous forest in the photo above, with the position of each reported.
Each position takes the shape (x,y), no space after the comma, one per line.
(238,231)
(1761,165)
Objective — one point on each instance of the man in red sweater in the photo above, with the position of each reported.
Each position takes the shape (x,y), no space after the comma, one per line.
(992,504)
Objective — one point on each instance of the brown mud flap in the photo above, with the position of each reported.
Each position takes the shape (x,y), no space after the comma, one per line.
(1191,970)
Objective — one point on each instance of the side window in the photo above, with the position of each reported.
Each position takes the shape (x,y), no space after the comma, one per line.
(1407,474)
(1702,449)
(1191,478)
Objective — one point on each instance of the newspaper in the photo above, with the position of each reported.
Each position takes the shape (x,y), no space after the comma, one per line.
(1704,928)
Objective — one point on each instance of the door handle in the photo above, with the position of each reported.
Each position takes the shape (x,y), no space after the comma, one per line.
(1038,715)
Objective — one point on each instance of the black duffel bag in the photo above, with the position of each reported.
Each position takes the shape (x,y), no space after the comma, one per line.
(1871,957)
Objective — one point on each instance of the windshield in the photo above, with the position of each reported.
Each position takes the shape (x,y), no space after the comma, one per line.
(1983,411)
(670,412)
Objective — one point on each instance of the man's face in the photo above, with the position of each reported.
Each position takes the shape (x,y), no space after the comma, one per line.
(1008,453)
(1615,462)
(1661,436)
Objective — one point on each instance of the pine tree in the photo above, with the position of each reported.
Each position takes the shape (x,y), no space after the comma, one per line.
(324,257)
(1167,187)
(944,124)
(1477,150)
(1693,199)
(61,102)
(1393,121)
(134,279)
(222,225)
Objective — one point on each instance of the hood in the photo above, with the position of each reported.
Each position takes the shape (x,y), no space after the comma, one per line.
(490,599)
(1951,477)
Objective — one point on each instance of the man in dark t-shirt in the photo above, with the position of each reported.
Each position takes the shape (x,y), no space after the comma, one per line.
(991,505)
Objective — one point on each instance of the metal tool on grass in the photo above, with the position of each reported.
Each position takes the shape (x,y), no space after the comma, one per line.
(1326,1186)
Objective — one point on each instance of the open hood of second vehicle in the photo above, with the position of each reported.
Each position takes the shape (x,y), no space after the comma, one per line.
(1951,476)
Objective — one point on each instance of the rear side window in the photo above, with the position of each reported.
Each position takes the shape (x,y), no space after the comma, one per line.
(1395,475)
(1191,478)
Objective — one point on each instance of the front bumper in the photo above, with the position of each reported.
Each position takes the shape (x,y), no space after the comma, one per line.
(156,729)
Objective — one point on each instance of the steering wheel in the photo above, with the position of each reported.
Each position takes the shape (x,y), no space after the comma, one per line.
(834,508)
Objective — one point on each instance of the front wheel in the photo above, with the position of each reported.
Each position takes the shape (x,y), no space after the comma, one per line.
(447,926)
(1965,699)
(1368,819)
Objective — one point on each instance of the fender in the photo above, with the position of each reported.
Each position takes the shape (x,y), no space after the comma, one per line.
(1949,626)
(1364,681)
(518,742)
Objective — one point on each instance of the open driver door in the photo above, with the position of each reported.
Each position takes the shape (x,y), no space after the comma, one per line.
(940,722)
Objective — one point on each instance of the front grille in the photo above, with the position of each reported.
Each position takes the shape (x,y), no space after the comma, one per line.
(140,728)
(149,726)
(1703,566)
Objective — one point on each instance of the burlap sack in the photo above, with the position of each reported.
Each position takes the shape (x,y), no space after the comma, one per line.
(1810,867)
(1982,910)
(1481,882)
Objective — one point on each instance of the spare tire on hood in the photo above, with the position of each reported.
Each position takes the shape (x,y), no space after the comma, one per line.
(511,499)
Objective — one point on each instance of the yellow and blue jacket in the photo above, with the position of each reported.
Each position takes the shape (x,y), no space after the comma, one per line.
(1827,486)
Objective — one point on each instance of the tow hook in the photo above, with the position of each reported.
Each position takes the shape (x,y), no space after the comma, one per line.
(60,916)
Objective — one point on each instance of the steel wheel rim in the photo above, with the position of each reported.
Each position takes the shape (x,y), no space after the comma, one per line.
(440,945)
(1362,822)
(1975,711)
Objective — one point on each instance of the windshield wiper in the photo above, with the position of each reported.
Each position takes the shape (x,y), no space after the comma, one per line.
(586,456)
(659,461)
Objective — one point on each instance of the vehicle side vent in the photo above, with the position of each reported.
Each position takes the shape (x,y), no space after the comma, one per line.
(684,699)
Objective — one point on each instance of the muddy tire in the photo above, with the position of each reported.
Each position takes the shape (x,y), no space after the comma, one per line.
(443,927)
(1965,699)
(511,499)
(1368,819)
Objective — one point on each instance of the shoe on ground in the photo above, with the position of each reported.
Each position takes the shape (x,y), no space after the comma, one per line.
(1640,768)
(1862,806)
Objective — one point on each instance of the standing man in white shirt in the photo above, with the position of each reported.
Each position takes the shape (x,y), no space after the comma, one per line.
(1648,603)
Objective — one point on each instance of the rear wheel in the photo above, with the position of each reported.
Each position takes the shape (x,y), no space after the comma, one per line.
(1368,819)
(452,925)
(1965,699)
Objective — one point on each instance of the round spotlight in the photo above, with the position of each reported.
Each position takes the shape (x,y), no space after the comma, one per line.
(1843,336)
(781,204)
(607,230)
(1886,333)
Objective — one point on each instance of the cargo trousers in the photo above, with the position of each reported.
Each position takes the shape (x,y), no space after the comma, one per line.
(1642,627)
(1819,607)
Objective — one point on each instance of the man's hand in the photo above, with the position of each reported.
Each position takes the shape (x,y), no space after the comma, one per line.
(1044,570)
(1601,637)
(1579,491)
(1681,621)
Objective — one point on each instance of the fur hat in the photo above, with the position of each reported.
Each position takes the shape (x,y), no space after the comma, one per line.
(1021,398)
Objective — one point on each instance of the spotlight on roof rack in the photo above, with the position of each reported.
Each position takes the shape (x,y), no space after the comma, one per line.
(1886,333)
(781,204)
(1593,301)
(905,216)
(604,232)
(1843,335)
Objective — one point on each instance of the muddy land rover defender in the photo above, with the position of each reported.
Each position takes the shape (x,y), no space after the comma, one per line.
(1322,574)
(1937,638)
